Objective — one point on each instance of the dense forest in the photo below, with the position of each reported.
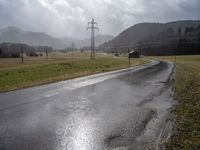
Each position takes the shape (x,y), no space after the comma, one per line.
(180,38)
(171,42)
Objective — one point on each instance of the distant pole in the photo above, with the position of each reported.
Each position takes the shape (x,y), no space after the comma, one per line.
(72,51)
(46,54)
(92,25)
(66,52)
(22,55)
(129,59)
(175,54)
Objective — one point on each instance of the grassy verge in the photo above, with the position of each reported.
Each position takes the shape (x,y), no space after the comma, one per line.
(12,78)
(187,110)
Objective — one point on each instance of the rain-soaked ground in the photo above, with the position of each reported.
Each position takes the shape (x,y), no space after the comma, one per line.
(125,109)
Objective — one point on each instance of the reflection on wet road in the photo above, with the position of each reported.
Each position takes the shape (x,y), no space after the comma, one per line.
(122,109)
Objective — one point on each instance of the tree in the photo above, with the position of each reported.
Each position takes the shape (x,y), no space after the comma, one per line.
(187,30)
(198,28)
(179,31)
(191,29)
(170,31)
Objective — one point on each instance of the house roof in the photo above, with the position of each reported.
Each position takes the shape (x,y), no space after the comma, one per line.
(133,52)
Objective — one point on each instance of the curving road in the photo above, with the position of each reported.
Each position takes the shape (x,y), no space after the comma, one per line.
(126,109)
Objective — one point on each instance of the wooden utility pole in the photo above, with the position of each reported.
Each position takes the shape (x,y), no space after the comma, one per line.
(46,54)
(129,59)
(22,55)
(72,50)
(175,54)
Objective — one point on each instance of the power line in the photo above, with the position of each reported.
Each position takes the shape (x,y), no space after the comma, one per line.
(92,25)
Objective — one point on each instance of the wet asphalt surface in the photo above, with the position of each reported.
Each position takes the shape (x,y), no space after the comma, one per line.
(125,109)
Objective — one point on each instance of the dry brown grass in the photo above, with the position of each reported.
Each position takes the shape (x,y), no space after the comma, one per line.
(54,57)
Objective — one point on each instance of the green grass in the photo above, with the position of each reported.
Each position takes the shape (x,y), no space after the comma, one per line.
(12,78)
(187,110)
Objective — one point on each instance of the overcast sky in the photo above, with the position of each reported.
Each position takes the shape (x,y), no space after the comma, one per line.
(69,17)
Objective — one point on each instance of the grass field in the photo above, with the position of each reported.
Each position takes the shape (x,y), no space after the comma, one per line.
(14,75)
(52,58)
(187,110)
(36,71)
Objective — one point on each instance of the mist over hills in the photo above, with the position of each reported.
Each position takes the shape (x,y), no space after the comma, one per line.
(16,35)
(130,36)
(147,31)
(99,39)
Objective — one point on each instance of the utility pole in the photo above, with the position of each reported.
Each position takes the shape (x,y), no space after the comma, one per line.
(129,59)
(46,54)
(72,50)
(176,47)
(92,25)
(66,52)
(22,54)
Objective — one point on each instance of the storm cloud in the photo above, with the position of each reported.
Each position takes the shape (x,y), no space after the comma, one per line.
(69,17)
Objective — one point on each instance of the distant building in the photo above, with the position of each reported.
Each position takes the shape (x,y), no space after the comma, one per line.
(116,54)
(134,54)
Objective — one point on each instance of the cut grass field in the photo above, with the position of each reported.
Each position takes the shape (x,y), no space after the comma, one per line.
(16,76)
(187,109)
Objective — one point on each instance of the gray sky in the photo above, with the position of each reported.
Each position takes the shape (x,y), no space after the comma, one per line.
(69,17)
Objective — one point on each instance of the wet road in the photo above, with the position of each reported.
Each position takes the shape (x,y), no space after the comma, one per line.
(117,110)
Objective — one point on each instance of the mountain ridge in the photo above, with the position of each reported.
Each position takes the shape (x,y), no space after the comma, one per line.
(143,31)
(14,34)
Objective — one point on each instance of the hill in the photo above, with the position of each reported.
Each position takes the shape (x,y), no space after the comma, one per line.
(16,35)
(147,31)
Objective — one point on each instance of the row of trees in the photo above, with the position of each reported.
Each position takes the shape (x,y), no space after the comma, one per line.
(16,50)
(171,42)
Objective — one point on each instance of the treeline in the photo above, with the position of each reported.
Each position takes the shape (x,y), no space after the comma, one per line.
(170,42)
(17,49)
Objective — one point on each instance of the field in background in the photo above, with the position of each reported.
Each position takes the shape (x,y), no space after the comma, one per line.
(39,70)
(187,110)
(53,57)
